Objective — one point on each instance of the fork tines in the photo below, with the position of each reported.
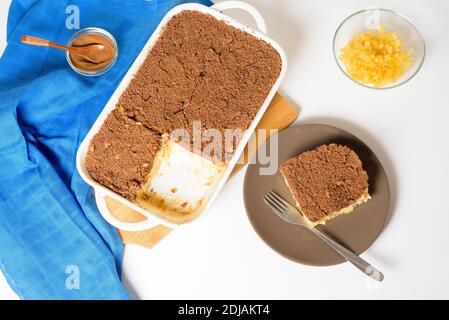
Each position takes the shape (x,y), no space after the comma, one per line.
(276,202)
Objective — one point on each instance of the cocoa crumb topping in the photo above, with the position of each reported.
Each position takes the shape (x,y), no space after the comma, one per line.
(200,69)
(325,180)
(120,153)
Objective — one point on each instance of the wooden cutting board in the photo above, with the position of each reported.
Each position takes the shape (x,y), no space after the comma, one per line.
(279,115)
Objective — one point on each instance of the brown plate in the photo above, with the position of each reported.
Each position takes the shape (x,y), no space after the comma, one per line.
(357,231)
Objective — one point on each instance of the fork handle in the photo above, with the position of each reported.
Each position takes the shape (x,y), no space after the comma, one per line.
(350,256)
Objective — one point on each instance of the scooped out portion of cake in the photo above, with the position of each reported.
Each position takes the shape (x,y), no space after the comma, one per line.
(326,182)
(180,183)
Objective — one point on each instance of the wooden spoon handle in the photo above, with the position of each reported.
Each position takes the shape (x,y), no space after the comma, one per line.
(35,41)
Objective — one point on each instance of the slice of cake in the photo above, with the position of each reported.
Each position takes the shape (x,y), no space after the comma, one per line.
(326,182)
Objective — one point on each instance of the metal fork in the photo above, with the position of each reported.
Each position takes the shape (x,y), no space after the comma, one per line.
(290,214)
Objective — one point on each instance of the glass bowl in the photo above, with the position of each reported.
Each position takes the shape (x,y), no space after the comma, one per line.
(92,30)
(372,19)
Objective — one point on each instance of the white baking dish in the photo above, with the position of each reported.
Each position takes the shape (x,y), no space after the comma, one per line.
(102,192)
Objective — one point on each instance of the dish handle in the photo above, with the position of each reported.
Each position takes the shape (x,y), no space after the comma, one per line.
(257,16)
(124,226)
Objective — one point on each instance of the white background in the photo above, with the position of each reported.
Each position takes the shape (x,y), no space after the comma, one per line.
(407,127)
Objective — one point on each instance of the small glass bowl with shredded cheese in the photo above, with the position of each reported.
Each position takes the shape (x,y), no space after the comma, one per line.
(379,48)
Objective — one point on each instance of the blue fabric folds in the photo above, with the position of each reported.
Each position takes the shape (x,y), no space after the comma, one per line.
(51,234)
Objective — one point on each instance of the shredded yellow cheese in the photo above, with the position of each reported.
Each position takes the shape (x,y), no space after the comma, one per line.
(376,58)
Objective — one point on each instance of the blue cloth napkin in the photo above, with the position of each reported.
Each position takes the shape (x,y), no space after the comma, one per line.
(53,242)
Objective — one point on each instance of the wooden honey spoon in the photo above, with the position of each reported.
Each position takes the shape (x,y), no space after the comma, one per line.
(95,53)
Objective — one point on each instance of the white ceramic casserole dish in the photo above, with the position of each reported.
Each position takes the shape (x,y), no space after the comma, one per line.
(101,192)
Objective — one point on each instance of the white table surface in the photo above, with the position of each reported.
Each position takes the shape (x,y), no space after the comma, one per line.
(222,257)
